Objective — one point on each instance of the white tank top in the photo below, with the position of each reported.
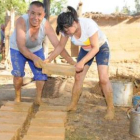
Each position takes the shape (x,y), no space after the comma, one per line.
(33,46)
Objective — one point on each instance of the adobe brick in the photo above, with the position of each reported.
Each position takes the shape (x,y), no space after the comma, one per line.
(9,114)
(51,114)
(7,136)
(48,122)
(47,131)
(44,107)
(24,104)
(16,108)
(17,121)
(31,137)
(10,128)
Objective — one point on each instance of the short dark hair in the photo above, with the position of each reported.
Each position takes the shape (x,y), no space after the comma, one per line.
(38,4)
(66,19)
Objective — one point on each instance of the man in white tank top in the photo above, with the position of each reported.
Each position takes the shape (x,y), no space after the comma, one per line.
(26,46)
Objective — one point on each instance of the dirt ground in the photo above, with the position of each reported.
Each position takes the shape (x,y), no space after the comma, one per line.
(87,123)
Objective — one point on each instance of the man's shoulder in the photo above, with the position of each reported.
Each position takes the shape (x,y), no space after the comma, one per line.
(25,16)
(21,20)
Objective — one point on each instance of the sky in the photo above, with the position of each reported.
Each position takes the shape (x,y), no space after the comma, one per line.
(103,6)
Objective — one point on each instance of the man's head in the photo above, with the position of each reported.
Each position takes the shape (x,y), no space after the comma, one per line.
(36,13)
(37,3)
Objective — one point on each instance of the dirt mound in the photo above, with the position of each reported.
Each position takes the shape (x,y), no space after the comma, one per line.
(97,15)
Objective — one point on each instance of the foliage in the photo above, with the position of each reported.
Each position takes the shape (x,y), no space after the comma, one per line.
(117,10)
(137,5)
(56,6)
(20,6)
(126,10)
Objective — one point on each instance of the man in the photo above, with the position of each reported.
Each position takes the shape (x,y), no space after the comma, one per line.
(26,45)
(3,41)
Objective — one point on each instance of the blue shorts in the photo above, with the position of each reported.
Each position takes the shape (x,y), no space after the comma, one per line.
(102,57)
(18,63)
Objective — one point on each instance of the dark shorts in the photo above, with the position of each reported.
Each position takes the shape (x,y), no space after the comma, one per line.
(19,61)
(102,57)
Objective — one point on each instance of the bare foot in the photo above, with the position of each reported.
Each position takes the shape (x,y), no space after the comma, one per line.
(72,107)
(110,114)
(17,100)
(37,101)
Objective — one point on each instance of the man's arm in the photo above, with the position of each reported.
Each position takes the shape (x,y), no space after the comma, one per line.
(21,41)
(59,46)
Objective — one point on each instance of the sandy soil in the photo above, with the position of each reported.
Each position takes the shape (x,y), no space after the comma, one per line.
(87,123)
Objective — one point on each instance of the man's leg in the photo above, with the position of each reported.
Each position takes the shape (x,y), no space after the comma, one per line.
(18,64)
(17,85)
(3,53)
(39,77)
(77,88)
(39,89)
(107,90)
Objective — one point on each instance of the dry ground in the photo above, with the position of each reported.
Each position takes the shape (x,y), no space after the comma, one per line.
(87,123)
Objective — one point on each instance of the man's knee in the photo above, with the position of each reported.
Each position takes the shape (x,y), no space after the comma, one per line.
(18,82)
(18,78)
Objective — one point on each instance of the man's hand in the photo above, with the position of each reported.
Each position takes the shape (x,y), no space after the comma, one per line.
(38,62)
(46,61)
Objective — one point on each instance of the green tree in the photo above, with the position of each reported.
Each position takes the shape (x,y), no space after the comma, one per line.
(20,6)
(126,10)
(137,5)
(57,6)
(117,10)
